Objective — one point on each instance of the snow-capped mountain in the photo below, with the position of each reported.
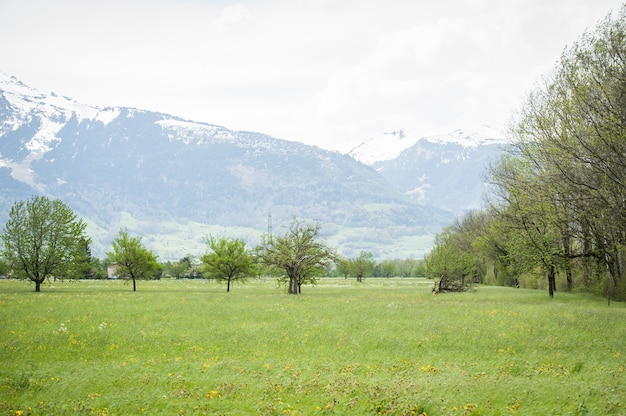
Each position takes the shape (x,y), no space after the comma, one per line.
(388,146)
(446,171)
(24,108)
(173,181)
(446,174)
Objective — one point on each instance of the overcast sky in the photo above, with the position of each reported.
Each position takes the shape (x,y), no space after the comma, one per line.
(332,73)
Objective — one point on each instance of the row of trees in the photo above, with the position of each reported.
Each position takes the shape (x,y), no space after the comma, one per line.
(191,267)
(43,238)
(559,204)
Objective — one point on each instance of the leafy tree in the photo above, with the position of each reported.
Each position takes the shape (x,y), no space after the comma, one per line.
(387,268)
(299,252)
(449,263)
(185,267)
(418,268)
(531,217)
(176,269)
(44,238)
(5,267)
(87,271)
(228,260)
(408,267)
(343,267)
(563,186)
(362,266)
(132,259)
(98,268)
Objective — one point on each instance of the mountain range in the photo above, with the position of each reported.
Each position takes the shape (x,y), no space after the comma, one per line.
(174,181)
(445,171)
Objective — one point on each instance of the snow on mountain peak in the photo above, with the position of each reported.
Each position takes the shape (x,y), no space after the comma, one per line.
(192,131)
(481,135)
(28,100)
(388,146)
(25,104)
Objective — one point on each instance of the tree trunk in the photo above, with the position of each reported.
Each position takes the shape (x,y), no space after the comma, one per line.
(442,282)
(37,286)
(586,273)
(495,271)
(551,281)
(586,255)
(567,248)
(134,285)
(570,280)
(293,286)
(228,286)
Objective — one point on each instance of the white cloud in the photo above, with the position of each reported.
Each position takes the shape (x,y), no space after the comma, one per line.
(236,15)
(331,73)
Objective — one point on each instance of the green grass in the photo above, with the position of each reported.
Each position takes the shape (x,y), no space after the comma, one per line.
(387,346)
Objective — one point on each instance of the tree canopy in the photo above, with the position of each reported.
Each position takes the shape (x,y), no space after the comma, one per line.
(44,238)
(228,260)
(559,206)
(131,259)
(362,266)
(299,252)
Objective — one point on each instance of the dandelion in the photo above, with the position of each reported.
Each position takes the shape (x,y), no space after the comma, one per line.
(429,369)
(212,394)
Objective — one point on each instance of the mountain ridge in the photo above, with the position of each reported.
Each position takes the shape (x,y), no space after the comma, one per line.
(155,174)
(390,145)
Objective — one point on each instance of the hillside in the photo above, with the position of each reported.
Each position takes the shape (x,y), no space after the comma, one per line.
(173,181)
(446,171)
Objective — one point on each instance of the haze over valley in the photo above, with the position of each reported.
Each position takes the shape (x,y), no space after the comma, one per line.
(174,181)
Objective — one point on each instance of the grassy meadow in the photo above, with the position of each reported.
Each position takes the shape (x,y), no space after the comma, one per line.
(385,346)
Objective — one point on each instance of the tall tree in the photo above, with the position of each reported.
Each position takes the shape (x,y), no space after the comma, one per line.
(44,238)
(362,266)
(531,215)
(185,267)
(300,253)
(228,260)
(132,260)
(387,268)
(449,264)
(5,268)
(570,137)
(342,266)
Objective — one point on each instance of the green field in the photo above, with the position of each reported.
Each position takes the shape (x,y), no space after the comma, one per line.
(386,346)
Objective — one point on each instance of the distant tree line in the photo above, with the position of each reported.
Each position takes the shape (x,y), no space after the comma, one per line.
(43,239)
(557,218)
